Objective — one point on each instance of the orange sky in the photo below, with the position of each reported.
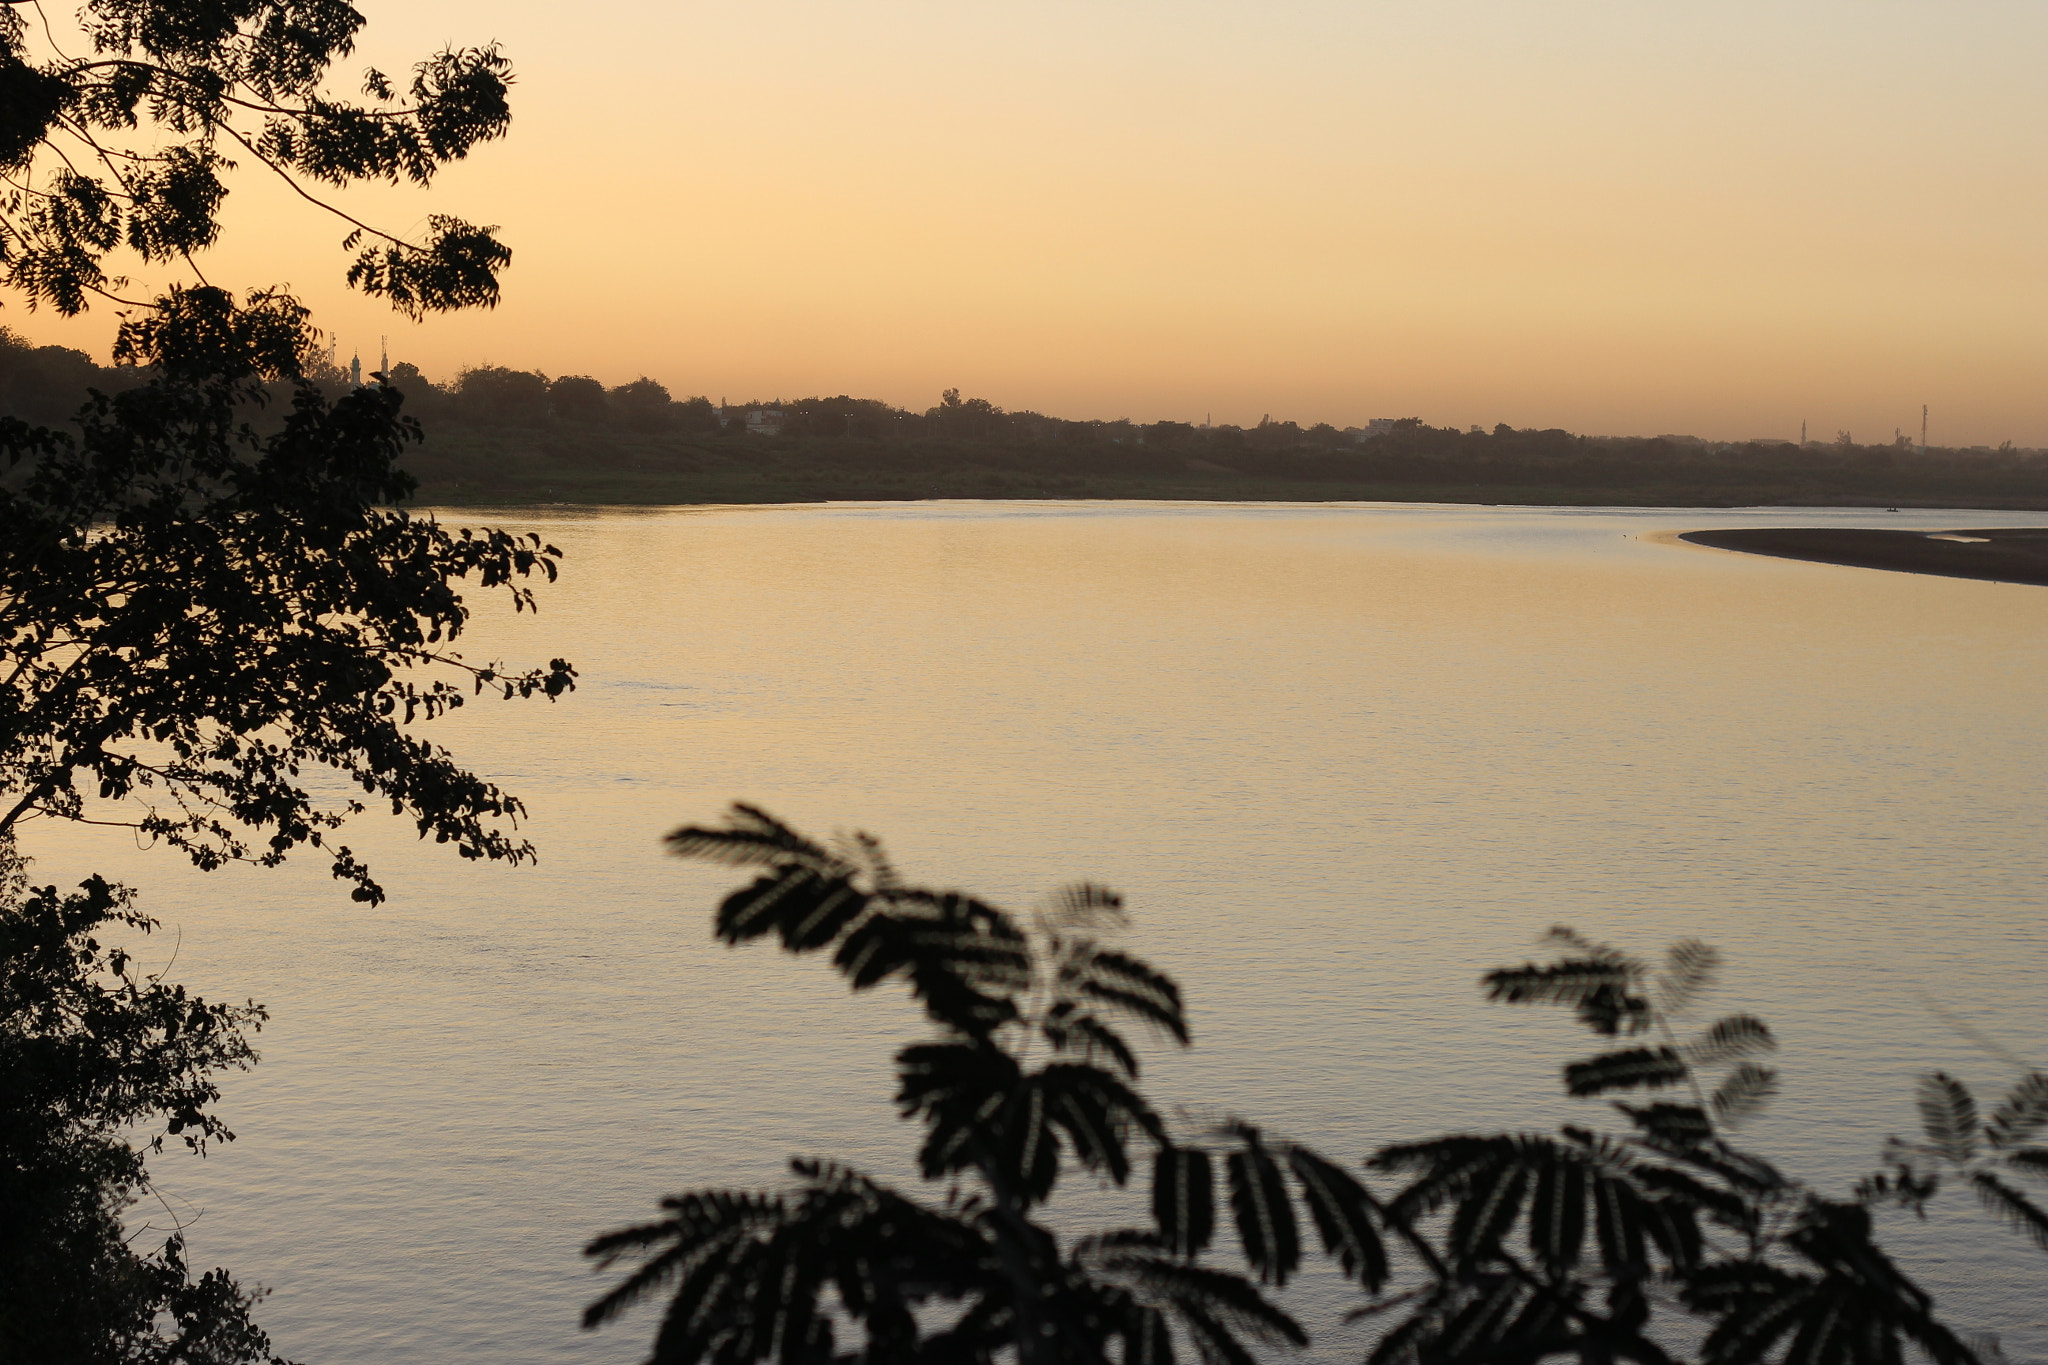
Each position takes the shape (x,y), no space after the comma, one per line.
(1615,217)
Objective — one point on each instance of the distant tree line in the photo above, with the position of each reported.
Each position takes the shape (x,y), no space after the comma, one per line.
(581,420)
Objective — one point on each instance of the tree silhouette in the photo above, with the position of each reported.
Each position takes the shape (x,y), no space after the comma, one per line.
(193,611)
(202,597)
(1657,1243)
(116,136)
(101,1062)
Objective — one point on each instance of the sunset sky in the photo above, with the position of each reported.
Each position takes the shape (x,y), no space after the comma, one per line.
(1610,217)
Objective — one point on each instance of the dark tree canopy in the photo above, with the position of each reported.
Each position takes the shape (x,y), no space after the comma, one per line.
(117,133)
(101,1062)
(195,608)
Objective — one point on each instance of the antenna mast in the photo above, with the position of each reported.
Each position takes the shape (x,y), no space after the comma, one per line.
(1923,428)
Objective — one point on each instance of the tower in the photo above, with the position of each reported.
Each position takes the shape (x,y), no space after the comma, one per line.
(355,371)
(1923,428)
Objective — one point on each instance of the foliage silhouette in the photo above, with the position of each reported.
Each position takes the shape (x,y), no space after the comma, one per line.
(126,148)
(202,596)
(1033,1069)
(1625,1246)
(1987,1154)
(91,1049)
(193,611)
(1657,1243)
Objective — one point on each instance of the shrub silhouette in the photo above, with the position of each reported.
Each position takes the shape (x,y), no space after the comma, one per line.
(1658,1242)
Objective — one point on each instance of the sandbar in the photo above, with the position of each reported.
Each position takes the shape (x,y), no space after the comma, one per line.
(2017,554)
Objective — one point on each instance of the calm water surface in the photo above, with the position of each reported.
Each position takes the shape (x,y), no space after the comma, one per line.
(1339,758)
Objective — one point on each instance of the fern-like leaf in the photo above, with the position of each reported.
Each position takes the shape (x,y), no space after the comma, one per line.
(2029,1161)
(2021,1114)
(1097,1110)
(1557,1214)
(1090,1036)
(963,958)
(2012,1206)
(1446,1166)
(1213,1305)
(959,1089)
(807,909)
(1130,985)
(1948,1115)
(1184,1198)
(1087,907)
(1745,1092)
(1265,1217)
(1601,983)
(865,851)
(1670,1125)
(1618,1226)
(1646,1068)
(1486,1208)
(1344,1213)
(1728,1040)
(752,838)
(1689,969)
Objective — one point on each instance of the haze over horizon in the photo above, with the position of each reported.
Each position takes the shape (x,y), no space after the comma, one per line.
(1609,218)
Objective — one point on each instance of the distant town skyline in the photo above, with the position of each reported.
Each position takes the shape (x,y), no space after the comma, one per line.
(1610,219)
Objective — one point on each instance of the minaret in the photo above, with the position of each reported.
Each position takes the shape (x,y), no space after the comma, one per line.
(384,360)
(355,371)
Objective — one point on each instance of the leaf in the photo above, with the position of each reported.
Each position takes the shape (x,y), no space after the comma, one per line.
(2022,1113)
(1183,1198)
(1086,906)
(1747,1089)
(1689,968)
(962,957)
(2013,1206)
(1096,1109)
(1730,1039)
(1645,1067)
(1065,1029)
(751,838)
(1120,980)
(1675,1228)
(808,910)
(1558,983)
(1486,1208)
(1599,982)
(1265,1218)
(1557,1214)
(1756,1304)
(865,851)
(1618,1226)
(1213,1305)
(1948,1116)
(960,1090)
(1670,1125)
(1344,1212)
(1447,1165)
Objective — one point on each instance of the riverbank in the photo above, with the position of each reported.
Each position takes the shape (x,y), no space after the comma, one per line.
(513,466)
(2004,555)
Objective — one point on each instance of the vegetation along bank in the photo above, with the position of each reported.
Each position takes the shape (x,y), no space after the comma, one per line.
(510,437)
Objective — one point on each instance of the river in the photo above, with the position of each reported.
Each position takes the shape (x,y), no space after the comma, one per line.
(1339,758)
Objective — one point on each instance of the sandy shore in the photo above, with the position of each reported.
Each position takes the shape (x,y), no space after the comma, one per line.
(2007,555)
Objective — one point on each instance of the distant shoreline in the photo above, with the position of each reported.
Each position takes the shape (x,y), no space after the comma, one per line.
(2017,554)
